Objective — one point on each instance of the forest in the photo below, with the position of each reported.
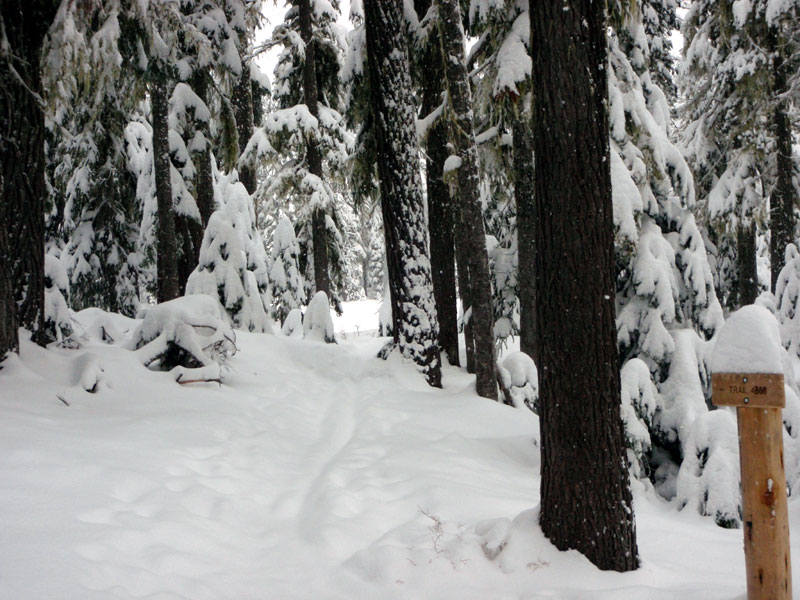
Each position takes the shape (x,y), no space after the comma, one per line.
(390,298)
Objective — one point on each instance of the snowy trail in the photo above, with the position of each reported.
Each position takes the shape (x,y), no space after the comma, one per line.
(317,471)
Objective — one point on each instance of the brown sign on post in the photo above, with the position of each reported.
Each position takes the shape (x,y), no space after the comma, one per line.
(748,389)
(758,398)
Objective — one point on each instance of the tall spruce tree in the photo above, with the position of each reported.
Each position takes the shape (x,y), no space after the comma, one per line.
(471,234)
(23,28)
(441,208)
(304,139)
(586,498)
(413,311)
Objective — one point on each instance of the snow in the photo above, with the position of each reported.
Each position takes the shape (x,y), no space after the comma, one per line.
(625,197)
(315,470)
(452,163)
(749,342)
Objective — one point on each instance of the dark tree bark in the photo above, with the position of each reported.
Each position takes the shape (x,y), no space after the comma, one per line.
(526,237)
(204,181)
(319,230)
(22,172)
(747,280)
(242,101)
(585,495)
(167,264)
(471,232)
(189,240)
(440,205)
(416,330)
(781,218)
(258,94)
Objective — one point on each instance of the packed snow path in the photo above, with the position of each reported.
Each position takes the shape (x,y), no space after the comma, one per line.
(316,471)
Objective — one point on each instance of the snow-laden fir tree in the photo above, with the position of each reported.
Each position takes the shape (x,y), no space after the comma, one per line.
(501,63)
(667,309)
(89,165)
(736,78)
(317,320)
(305,138)
(787,295)
(286,280)
(57,318)
(233,260)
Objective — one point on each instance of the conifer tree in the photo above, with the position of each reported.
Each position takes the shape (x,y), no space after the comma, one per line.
(285,277)
(441,209)
(735,138)
(586,499)
(23,28)
(304,140)
(502,96)
(415,326)
(471,234)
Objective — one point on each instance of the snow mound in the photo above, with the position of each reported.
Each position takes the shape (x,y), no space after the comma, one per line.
(317,322)
(749,342)
(293,324)
(191,332)
(519,380)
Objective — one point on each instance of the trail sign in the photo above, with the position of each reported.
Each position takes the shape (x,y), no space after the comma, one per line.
(748,389)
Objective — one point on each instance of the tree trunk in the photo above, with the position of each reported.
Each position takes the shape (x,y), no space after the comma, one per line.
(22,172)
(319,230)
(746,264)
(190,238)
(781,217)
(167,263)
(585,495)
(440,205)
(257,94)
(416,330)
(471,230)
(204,181)
(243,112)
(526,237)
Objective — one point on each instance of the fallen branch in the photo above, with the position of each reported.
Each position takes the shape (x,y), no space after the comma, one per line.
(60,397)
(219,381)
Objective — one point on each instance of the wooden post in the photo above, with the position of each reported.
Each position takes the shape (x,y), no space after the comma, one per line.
(758,398)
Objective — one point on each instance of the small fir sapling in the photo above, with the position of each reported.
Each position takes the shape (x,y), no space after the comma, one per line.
(57,319)
(787,294)
(285,278)
(640,403)
(317,321)
(708,480)
(233,264)
(293,324)
(222,273)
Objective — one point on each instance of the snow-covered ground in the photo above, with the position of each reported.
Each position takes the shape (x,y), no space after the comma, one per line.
(316,471)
